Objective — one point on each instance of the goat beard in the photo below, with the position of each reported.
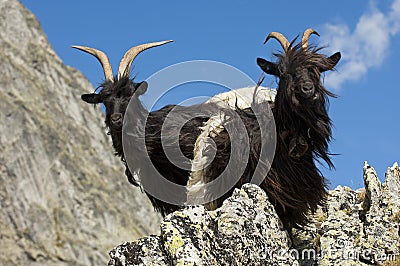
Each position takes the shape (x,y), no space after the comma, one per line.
(309,119)
(116,136)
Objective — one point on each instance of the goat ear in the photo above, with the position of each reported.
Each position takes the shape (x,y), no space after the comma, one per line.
(141,88)
(91,98)
(332,62)
(268,67)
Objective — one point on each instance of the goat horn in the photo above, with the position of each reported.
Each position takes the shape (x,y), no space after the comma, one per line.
(280,38)
(103,59)
(126,62)
(306,36)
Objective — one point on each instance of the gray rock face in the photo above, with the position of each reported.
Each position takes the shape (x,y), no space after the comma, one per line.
(64,197)
(244,231)
(363,226)
(354,228)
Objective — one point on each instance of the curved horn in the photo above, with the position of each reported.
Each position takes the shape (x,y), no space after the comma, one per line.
(280,38)
(126,62)
(103,59)
(306,36)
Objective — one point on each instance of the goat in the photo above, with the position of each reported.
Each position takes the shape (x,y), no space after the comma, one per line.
(293,184)
(118,91)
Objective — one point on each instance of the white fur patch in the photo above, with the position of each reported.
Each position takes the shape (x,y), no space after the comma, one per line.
(243,97)
(204,149)
(204,152)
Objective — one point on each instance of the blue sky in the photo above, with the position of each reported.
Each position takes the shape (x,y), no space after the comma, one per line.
(366,114)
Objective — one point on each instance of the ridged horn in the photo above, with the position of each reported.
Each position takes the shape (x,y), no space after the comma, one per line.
(280,38)
(306,36)
(103,59)
(130,55)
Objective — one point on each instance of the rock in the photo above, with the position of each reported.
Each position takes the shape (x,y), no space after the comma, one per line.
(244,231)
(146,251)
(359,227)
(64,197)
(354,228)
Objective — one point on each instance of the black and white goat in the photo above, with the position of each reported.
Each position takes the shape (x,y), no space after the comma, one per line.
(293,183)
(303,128)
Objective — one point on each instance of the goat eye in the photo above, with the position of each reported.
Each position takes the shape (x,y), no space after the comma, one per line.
(108,101)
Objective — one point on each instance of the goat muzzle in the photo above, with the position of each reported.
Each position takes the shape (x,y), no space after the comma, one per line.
(307,90)
(116,119)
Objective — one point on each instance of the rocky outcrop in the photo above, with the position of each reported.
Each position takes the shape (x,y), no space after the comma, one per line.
(358,227)
(64,197)
(244,231)
(354,228)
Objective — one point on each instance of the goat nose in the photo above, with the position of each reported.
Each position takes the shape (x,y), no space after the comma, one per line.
(307,90)
(116,117)
(307,86)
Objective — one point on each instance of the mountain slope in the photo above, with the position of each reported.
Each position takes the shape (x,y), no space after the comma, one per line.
(64,197)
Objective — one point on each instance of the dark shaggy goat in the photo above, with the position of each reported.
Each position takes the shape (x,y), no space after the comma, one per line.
(116,93)
(294,184)
(303,127)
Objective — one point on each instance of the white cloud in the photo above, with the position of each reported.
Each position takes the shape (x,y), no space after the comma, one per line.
(364,47)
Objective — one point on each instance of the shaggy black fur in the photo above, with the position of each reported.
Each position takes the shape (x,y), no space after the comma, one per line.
(116,96)
(187,138)
(294,184)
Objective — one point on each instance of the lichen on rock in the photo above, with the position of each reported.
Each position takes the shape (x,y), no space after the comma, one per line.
(355,227)
(244,231)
